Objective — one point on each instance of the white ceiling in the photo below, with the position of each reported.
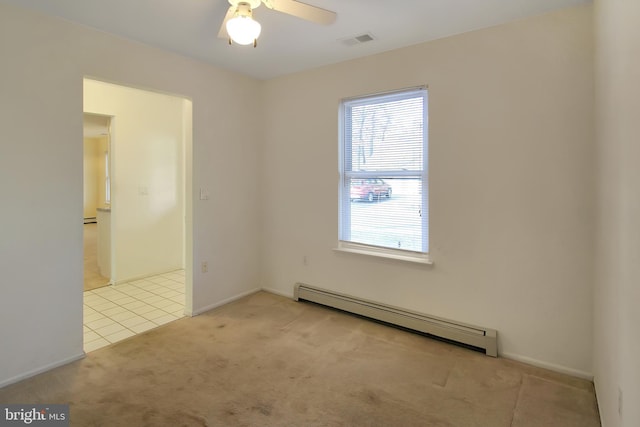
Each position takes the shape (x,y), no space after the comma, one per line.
(288,44)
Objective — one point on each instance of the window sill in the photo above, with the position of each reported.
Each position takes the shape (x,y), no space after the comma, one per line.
(406,256)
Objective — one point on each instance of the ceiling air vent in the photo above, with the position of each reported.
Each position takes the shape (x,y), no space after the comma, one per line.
(352,41)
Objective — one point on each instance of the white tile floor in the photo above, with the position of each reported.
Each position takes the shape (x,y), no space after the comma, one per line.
(113,313)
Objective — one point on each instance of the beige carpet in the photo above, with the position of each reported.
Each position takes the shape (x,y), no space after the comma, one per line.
(268,361)
(92,277)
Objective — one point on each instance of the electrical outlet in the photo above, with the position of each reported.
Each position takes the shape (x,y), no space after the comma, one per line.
(204,267)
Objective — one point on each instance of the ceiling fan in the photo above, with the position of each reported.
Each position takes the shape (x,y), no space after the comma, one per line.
(240,27)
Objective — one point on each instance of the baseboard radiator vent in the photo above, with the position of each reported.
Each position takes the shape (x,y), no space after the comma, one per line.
(482,338)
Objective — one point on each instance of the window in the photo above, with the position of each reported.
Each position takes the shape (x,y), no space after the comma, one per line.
(383,174)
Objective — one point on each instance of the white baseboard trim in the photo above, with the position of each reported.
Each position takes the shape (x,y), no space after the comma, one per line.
(279,292)
(41,369)
(201,310)
(144,276)
(550,366)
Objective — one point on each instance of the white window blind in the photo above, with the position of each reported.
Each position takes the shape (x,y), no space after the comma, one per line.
(384,188)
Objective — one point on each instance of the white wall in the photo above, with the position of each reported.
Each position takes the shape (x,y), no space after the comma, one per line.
(617,290)
(511,182)
(511,170)
(147,206)
(103,148)
(91,166)
(44,61)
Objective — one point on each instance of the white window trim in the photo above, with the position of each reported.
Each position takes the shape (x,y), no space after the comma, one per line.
(389,253)
(344,195)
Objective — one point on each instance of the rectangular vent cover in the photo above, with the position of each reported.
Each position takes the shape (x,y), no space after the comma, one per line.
(352,41)
(475,336)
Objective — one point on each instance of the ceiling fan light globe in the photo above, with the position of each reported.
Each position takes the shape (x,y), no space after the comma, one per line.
(243,29)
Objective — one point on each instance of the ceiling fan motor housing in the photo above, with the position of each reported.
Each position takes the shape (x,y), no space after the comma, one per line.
(252,3)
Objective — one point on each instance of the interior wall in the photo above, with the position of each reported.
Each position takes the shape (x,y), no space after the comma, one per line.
(44,61)
(511,184)
(147,207)
(511,170)
(617,294)
(103,148)
(91,167)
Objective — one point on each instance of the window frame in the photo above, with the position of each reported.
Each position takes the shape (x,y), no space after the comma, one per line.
(346,174)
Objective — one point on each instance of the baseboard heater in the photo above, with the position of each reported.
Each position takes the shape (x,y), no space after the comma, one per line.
(482,338)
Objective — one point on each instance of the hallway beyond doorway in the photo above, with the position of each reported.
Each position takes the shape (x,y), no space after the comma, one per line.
(92,277)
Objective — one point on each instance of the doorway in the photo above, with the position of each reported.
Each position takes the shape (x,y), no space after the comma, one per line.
(149,136)
(96,201)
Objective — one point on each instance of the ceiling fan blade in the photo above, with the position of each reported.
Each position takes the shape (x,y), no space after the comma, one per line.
(302,11)
(222,34)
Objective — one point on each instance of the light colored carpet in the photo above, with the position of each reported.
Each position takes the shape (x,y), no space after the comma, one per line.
(266,360)
(92,277)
